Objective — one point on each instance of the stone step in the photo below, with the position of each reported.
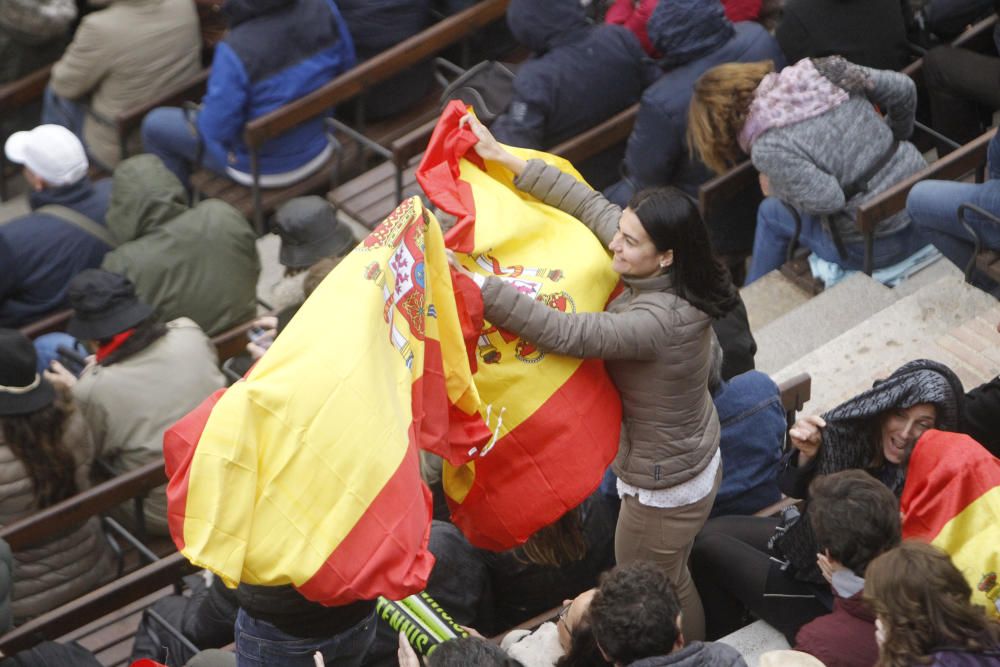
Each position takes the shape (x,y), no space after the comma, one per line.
(936,322)
(771,297)
(927,275)
(754,640)
(819,320)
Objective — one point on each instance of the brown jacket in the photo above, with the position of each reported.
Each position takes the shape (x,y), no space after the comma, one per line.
(656,347)
(50,574)
(123,56)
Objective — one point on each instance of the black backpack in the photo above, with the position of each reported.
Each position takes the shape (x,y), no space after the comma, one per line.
(487,87)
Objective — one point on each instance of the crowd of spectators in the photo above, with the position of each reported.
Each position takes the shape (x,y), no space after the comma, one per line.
(673,552)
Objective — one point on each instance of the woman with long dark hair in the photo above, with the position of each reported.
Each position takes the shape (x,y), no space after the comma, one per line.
(45,457)
(923,611)
(655,339)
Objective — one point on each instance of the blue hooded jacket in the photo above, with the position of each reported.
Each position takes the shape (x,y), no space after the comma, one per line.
(694,36)
(752,436)
(580,74)
(377,25)
(276,51)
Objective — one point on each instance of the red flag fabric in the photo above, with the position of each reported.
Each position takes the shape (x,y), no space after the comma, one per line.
(556,420)
(952,500)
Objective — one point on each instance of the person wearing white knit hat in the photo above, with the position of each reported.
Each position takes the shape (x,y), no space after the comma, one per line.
(63,234)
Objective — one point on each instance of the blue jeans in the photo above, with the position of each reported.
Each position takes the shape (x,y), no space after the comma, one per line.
(260,644)
(46,346)
(776,226)
(933,206)
(171,134)
(57,110)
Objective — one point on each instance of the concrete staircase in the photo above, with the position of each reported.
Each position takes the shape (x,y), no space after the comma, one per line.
(856,332)
(860,330)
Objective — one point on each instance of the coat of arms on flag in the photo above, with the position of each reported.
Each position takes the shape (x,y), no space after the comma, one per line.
(305,472)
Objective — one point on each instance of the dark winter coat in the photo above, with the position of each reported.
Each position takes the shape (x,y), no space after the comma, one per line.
(753,433)
(275,52)
(865,32)
(376,25)
(736,339)
(696,654)
(40,253)
(844,638)
(981,415)
(580,74)
(694,36)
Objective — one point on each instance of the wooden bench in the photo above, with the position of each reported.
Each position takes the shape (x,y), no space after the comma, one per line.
(97,604)
(52,323)
(795,392)
(70,513)
(970,158)
(374,194)
(599,138)
(228,343)
(256,202)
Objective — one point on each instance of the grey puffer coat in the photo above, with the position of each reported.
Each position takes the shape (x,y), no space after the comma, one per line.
(51,574)
(656,347)
(811,162)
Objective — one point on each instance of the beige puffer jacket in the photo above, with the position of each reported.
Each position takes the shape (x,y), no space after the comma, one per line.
(128,405)
(656,347)
(69,566)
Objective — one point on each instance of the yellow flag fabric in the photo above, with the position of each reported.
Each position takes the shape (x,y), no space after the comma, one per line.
(305,472)
(952,500)
(555,420)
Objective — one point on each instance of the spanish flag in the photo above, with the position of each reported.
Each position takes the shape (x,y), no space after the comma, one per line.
(555,421)
(305,472)
(952,500)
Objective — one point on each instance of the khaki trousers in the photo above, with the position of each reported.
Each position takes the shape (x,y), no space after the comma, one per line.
(665,536)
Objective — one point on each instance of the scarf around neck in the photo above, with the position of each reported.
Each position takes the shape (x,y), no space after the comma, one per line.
(796,93)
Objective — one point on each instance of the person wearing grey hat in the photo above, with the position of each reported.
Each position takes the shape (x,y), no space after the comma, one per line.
(309,232)
(146,375)
(45,456)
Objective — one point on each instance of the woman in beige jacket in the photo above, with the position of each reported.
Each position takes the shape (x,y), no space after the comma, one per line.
(655,339)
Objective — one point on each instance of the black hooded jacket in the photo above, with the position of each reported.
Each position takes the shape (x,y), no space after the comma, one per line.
(866,32)
(580,74)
